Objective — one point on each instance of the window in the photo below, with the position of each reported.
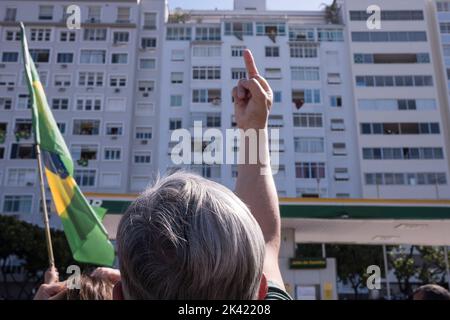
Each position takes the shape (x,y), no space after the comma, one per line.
(239,29)
(309,145)
(93,56)
(84,152)
(298,50)
(89,104)
(60,104)
(176,77)
(206,51)
(273,73)
(85,177)
(5,103)
(148,43)
(40,34)
(400,58)
(298,33)
(67,36)
(112,154)
(40,55)
(144,109)
(213,121)
(400,128)
(10,57)
(176,100)
(11,35)
(393,36)
(143,133)
(23,102)
(305,73)
(394,81)
(339,149)
(62,80)
(206,96)
(21,177)
(237,51)
(406,179)
(147,63)
(330,35)
(7,80)
(116,104)
(341,174)
(277,97)
(207,34)
(111,180)
(139,183)
(177,55)
(45,12)
(308,120)
(175,124)
(272,51)
(86,127)
(238,73)
(142,157)
(10,14)
(310,170)
(390,15)
(443,6)
(179,33)
(146,86)
(270,29)
(64,57)
(334,78)
(337,125)
(114,129)
(119,58)
(120,37)
(336,101)
(22,151)
(150,21)
(393,105)
(62,127)
(94,14)
(419,153)
(123,14)
(206,73)
(308,96)
(94,35)
(17,204)
(90,79)
(117,81)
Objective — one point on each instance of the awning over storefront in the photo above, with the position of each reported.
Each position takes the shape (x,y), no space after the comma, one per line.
(362,221)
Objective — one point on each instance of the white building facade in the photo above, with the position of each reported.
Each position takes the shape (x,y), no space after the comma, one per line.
(361,113)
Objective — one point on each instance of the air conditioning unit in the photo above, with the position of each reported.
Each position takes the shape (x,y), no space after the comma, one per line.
(10,89)
(64,66)
(29,184)
(113,137)
(117,90)
(89,89)
(144,141)
(145,94)
(61,89)
(2,65)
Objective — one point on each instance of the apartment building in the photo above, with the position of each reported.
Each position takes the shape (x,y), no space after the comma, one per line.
(399,105)
(361,113)
(305,60)
(101,82)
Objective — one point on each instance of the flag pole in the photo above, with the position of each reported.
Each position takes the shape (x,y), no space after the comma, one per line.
(48,237)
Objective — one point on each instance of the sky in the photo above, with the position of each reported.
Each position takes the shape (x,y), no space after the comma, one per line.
(228,4)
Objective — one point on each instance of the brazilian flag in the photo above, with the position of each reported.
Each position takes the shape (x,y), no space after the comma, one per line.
(88,239)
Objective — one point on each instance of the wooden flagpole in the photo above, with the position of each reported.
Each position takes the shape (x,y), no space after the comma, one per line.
(48,237)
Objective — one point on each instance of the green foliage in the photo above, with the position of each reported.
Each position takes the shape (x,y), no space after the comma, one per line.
(26,242)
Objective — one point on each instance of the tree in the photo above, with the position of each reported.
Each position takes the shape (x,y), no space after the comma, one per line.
(352,261)
(25,242)
(404,265)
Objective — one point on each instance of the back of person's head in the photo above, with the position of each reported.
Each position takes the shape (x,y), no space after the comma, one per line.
(91,288)
(189,238)
(431,292)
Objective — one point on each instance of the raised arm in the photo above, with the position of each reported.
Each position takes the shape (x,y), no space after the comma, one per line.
(255,185)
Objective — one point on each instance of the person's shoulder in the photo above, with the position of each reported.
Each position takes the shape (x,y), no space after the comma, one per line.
(274,292)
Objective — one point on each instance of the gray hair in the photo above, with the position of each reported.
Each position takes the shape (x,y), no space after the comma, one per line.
(190,238)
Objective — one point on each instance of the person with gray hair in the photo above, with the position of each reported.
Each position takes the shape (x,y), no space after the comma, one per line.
(190,238)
